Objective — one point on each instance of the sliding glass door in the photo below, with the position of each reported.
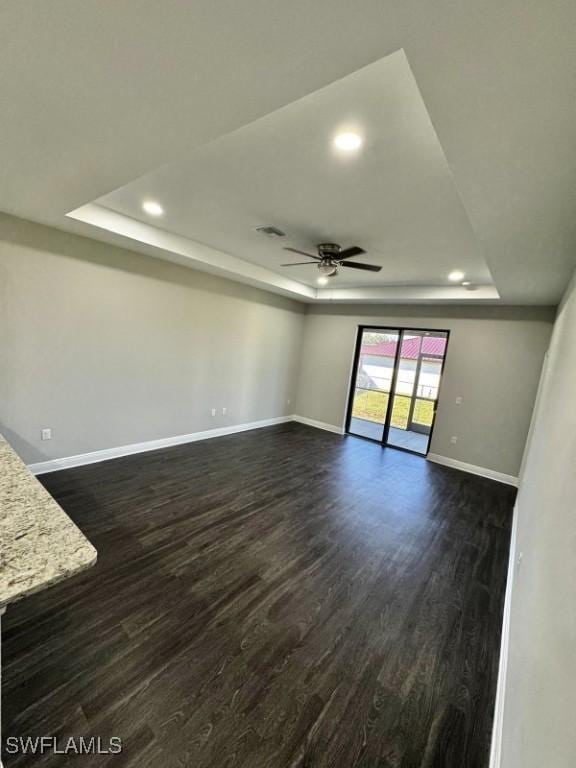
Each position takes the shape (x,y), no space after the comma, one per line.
(396,381)
(376,356)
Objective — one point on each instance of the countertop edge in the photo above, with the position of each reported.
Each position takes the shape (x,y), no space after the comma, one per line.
(41,544)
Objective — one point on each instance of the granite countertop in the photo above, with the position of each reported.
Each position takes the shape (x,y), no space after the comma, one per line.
(39,544)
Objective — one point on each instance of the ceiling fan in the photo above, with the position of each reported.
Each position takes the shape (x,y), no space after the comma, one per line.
(331,257)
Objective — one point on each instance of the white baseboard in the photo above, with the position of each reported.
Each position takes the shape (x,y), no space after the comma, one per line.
(318,424)
(53,465)
(473,469)
(496,746)
(150,445)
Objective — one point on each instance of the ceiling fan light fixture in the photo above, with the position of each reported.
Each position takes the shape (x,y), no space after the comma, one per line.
(331,257)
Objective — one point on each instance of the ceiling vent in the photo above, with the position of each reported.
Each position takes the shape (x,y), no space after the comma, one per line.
(271,231)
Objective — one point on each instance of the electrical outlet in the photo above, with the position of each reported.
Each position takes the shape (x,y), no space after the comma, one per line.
(46,434)
(213,411)
(453,439)
(458,401)
(224,409)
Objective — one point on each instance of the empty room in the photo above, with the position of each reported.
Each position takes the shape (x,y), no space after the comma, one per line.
(287,375)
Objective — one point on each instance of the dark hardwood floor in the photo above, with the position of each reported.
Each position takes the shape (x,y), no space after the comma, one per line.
(279,598)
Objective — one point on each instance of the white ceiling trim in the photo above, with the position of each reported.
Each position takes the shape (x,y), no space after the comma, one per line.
(195,254)
(453,294)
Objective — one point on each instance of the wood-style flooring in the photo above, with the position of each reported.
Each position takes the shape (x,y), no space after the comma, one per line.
(281,598)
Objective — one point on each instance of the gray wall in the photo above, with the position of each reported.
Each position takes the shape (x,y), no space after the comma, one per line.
(109,347)
(494,360)
(540,697)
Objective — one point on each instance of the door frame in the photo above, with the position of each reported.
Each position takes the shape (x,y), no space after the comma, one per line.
(352,388)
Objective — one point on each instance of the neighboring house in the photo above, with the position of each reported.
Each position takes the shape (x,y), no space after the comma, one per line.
(419,370)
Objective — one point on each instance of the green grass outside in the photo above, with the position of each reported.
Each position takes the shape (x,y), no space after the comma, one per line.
(371,405)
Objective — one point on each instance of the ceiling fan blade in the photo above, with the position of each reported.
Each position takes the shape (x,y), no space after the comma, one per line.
(357,265)
(302,253)
(348,253)
(299,263)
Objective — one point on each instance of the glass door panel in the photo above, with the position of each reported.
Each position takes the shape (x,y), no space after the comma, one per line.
(416,389)
(372,382)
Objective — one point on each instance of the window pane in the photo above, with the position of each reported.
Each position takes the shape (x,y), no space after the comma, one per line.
(373,383)
(423,412)
(370,405)
(400,411)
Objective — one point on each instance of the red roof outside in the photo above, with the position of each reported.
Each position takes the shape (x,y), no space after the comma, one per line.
(431,345)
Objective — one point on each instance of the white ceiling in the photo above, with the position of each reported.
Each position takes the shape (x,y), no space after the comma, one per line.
(96,96)
(395,197)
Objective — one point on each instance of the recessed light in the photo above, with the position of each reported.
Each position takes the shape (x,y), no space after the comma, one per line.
(152,208)
(348,141)
(322,280)
(466,282)
(456,276)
